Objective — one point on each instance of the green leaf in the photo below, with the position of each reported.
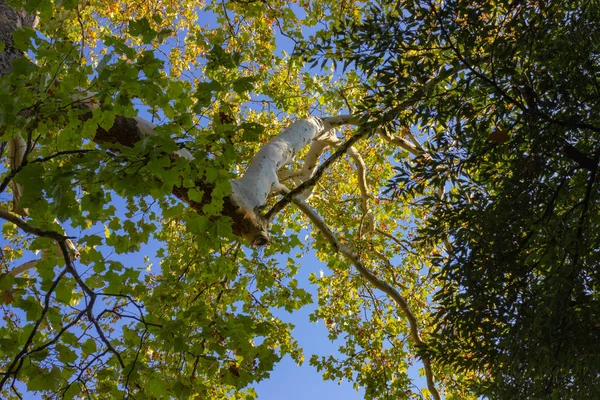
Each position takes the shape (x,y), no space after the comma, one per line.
(72,391)
(44,380)
(64,290)
(157,387)
(32,308)
(69,4)
(103,63)
(195,195)
(22,66)
(204,94)
(141,27)
(212,174)
(65,354)
(88,347)
(39,382)
(251,131)
(22,39)
(105,118)
(196,224)
(244,84)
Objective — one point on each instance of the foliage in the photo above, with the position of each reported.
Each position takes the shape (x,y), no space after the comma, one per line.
(200,322)
(506,94)
(472,236)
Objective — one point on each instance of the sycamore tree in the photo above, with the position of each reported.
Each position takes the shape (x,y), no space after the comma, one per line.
(439,157)
(184,124)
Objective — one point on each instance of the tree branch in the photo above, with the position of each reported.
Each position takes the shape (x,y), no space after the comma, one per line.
(31,229)
(401,142)
(368,220)
(23,267)
(280,205)
(582,159)
(378,283)
(90,306)
(17,362)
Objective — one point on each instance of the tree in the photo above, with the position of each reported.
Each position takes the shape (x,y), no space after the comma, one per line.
(80,322)
(471,140)
(511,109)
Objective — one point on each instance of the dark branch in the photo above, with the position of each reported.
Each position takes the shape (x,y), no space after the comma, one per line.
(309,183)
(32,229)
(90,307)
(582,159)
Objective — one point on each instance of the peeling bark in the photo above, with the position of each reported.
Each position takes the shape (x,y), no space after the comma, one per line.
(259,180)
(308,184)
(16,155)
(250,192)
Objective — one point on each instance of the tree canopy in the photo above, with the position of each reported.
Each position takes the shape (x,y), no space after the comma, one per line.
(511,116)
(440,158)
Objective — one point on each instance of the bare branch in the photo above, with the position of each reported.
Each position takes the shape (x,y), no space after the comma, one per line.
(23,267)
(401,142)
(412,145)
(312,160)
(286,174)
(339,120)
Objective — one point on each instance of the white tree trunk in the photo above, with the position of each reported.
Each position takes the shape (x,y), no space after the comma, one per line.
(250,192)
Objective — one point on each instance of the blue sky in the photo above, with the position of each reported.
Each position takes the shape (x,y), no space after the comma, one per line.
(303,382)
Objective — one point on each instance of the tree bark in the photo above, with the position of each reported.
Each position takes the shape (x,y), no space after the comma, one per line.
(11,20)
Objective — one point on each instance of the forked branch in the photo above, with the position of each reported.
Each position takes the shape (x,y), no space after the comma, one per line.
(308,184)
(25,226)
